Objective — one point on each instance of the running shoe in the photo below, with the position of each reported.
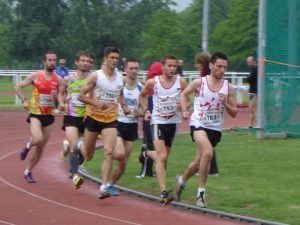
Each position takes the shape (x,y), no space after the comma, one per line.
(113,190)
(178,189)
(165,198)
(104,194)
(24,152)
(200,200)
(28,177)
(77,181)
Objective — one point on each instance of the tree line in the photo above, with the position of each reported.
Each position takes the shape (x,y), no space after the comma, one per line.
(143,29)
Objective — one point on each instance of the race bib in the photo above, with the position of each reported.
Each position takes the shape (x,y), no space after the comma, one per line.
(212,118)
(167,108)
(108,96)
(75,101)
(45,100)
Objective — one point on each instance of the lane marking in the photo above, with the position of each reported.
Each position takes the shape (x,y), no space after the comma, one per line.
(55,202)
(8,223)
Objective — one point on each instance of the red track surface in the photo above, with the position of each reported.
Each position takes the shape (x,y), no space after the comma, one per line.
(54,201)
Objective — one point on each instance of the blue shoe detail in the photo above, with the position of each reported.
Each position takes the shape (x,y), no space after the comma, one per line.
(24,153)
(28,177)
(113,191)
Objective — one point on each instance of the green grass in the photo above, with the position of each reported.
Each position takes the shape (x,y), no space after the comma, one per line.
(258,178)
(7,102)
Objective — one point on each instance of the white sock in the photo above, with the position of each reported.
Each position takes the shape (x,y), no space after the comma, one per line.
(80,142)
(28,144)
(200,190)
(180,180)
(26,171)
(102,187)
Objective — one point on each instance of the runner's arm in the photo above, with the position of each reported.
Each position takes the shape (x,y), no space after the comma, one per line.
(184,97)
(24,83)
(62,93)
(230,103)
(87,88)
(143,98)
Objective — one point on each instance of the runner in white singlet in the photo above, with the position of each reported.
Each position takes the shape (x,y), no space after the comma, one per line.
(164,118)
(213,95)
(102,93)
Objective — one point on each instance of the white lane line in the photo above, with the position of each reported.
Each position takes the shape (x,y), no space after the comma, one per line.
(7,223)
(58,203)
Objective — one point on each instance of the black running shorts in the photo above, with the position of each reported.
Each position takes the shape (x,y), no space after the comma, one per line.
(46,120)
(97,126)
(127,131)
(73,121)
(213,136)
(164,132)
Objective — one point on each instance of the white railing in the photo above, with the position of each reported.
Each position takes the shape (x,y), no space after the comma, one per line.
(237,79)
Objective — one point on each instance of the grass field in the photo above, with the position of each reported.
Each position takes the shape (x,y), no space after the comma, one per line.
(258,178)
(7,100)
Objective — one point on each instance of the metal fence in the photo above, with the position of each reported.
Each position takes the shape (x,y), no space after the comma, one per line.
(237,79)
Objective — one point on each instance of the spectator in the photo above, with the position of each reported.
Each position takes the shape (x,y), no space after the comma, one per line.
(252,80)
(202,63)
(155,69)
(61,70)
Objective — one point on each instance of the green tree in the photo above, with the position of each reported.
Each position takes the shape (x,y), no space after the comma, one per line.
(237,35)
(165,34)
(35,27)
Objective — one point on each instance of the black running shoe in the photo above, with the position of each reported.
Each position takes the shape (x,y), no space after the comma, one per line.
(165,198)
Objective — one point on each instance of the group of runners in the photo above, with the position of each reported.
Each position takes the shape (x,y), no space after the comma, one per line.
(106,103)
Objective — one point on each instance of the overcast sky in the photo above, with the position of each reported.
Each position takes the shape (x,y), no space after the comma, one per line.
(182,4)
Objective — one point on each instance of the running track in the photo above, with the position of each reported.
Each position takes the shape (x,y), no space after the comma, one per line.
(54,201)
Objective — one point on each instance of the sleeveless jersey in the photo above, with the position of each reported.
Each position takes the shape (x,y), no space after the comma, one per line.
(208,110)
(73,106)
(132,101)
(41,101)
(165,101)
(106,91)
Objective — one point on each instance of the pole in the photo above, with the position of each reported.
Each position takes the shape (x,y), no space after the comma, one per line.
(261,68)
(205,21)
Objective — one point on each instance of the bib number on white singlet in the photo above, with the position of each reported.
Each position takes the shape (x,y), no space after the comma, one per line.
(212,118)
(45,100)
(75,101)
(167,108)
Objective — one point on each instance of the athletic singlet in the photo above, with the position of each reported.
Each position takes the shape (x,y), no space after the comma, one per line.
(165,101)
(41,101)
(208,110)
(106,91)
(73,106)
(131,97)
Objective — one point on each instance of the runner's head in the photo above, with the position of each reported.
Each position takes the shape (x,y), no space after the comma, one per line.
(111,57)
(49,61)
(132,68)
(218,65)
(169,63)
(84,61)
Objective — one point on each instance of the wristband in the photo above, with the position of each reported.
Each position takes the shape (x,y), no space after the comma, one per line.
(146,110)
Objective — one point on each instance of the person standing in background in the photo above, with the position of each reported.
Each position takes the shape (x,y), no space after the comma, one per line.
(252,80)
(62,70)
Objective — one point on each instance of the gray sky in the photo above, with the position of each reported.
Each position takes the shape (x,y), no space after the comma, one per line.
(182,4)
